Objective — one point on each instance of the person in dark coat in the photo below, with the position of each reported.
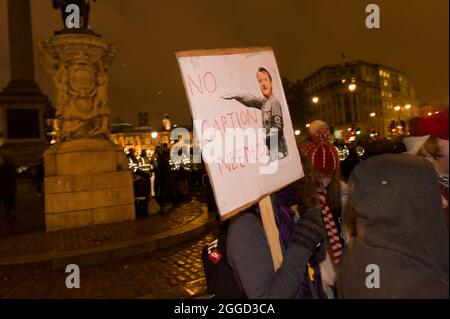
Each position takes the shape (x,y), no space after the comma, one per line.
(400,244)
(168,188)
(8,186)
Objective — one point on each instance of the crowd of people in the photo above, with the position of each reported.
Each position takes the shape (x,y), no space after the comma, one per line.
(158,177)
(381,233)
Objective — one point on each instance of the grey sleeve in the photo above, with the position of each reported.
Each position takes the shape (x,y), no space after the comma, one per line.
(249,256)
(250,100)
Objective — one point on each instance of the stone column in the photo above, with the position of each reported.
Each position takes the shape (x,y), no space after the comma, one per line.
(20,40)
(22,103)
(87,179)
(21,48)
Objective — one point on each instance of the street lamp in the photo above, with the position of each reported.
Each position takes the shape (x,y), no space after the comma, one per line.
(315,99)
(154,135)
(308,125)
(372,114)
(297,132)
(407,106)
(397,108)
(352,87)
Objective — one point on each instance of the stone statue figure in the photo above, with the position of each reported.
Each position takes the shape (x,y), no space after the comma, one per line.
(84,6)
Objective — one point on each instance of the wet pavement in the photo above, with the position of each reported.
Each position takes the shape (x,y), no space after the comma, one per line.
(176,272)
(98,235)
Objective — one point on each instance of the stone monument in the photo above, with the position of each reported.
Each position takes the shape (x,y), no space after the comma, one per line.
(87,180)
(22,104)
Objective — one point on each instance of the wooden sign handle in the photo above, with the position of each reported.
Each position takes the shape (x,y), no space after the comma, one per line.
(270,227)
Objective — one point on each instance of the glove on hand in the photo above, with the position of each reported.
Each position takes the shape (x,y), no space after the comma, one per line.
(309,231)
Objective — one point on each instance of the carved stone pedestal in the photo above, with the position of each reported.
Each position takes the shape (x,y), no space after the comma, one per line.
(87,182)
(86,175)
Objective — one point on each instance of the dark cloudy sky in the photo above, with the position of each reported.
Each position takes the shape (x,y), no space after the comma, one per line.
(305,34)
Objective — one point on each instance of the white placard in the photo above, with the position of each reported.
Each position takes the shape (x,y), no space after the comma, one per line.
(236,93)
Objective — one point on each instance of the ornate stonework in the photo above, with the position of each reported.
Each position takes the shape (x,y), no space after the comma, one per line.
(78,64)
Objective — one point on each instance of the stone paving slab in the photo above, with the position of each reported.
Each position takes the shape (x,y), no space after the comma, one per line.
(175,272)
(100,243)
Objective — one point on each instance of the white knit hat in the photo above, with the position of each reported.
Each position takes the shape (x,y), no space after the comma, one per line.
(316,125)
(414,144)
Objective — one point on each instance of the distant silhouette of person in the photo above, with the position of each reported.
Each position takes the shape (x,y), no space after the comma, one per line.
(164,169)
(8,186)
(144,166)
(141,193)
(39,177)
(156,190)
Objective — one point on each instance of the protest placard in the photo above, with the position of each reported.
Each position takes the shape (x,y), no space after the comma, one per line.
(242,123)
(230,102)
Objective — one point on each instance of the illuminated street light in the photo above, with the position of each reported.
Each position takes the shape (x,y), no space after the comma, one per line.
(436,112)
(397,108)
(297,132)
(407,106)
(349,129)
(429,113)
(372,114)
(154,134)
(308,125)
(352,87)
(315,99)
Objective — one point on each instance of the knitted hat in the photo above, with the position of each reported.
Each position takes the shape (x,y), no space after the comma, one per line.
(317,125)
(435,125)
(414,144)
(321,153)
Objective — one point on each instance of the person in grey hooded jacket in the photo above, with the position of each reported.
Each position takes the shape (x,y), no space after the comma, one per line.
(400,243)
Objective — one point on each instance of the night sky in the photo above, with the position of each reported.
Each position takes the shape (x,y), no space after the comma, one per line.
(305,35)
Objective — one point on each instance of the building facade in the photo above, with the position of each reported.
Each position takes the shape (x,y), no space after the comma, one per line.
(362,96)
(147,138)
(139,139)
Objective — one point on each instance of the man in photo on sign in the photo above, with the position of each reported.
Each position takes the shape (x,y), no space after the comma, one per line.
(270,107)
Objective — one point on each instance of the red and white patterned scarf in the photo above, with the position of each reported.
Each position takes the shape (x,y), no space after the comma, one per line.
(328,220)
